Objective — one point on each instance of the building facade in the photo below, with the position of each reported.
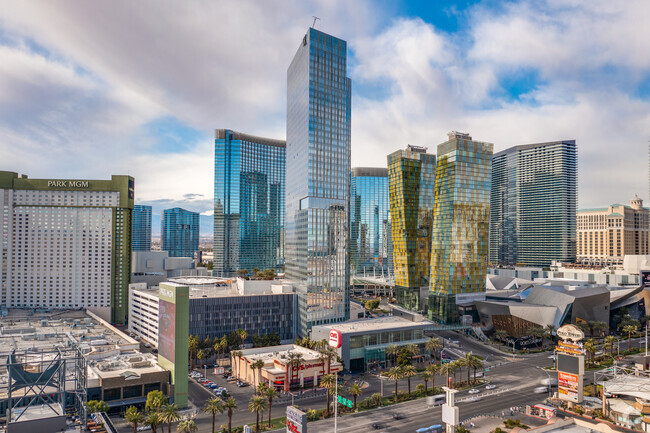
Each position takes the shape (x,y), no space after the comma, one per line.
(318,179)
(249,176)
(411,179)
(606,235)
(533,204)
(459,244)
(369,223)
(66,243)
(141,228)
(180,232)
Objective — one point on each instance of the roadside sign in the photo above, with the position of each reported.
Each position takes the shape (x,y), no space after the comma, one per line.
(344,401)
(336,338)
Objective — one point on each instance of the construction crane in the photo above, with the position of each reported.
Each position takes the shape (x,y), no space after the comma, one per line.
(314,23)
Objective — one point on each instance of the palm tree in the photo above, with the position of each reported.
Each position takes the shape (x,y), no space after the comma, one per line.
(230,405)
(258,365)
(609,340)
(155,400)
(193,345)
(200,355)
(537,332)
(409,371)
(429,374)
(432,345)
(242,334)
(392,350)
(355,390)
(447,369)
(237,354)
(169,414)
(270,393)
(629,329)
(153,419)
(257,404)
(457,368)
(467,362)
(134,417)
(501,335)
(590,348)
(214,406)
(328,382)
(475,362)
(414,350)
(186,426)
(601,327)
(549,330)
(395,373)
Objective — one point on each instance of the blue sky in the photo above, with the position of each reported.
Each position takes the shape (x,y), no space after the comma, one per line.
(90,89)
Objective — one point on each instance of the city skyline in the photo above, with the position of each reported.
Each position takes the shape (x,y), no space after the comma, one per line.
(147,103)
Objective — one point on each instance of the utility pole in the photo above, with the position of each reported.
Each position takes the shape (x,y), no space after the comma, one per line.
(336,393)
(314,23)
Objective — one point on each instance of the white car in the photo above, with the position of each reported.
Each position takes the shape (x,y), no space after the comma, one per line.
(490,386)
(474,391)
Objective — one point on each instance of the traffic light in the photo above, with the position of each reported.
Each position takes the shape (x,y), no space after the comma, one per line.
(344,401)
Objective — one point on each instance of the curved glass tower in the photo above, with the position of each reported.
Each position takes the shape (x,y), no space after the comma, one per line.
(141,228)
(318,180)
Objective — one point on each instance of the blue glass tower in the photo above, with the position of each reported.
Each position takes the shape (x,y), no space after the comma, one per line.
(141,228)
(369,222)
(180,232)
(248,202)
(318,180)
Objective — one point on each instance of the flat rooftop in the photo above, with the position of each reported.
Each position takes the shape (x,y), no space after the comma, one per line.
(279,352)
(377,324)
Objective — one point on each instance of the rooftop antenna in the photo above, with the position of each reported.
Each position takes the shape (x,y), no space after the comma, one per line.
(314,23)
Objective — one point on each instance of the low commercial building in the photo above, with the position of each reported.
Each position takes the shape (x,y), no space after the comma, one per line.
(285,367)
(217,307)
(364,342)
(155,267)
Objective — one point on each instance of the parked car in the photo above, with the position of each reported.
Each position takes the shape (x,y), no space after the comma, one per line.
(242,384)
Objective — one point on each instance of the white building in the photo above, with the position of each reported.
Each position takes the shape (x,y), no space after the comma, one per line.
(66,243)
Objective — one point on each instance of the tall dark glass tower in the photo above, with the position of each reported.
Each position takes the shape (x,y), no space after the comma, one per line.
(141,228)
(318,180)
(180,232)
(533,204)
(369,222)
(248,202)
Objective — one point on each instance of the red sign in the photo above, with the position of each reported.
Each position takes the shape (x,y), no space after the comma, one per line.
(336,338)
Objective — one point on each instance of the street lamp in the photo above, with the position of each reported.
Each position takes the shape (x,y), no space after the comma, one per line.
(549,380)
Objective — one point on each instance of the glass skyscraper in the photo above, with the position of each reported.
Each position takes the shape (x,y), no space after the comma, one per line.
(459,244)
(411,178)
(180,232)
(533,204)
(369,223)
(141,228)
(249,193)
(318,180)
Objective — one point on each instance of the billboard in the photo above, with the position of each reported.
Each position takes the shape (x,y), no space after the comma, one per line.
(570,374)
(296,420)
(166,329)
(336,338)
(645,278)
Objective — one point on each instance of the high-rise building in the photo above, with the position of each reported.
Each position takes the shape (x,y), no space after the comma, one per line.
(533,204)
(459,244)
(66,243)
(180,232)
(411,179)
(606,235)
(248,202)
(141,228)
(369,222)
(318,180)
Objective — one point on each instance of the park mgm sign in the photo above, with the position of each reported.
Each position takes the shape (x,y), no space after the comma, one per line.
(570,364)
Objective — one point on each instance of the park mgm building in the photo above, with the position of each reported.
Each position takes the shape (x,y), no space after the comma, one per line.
(66,244)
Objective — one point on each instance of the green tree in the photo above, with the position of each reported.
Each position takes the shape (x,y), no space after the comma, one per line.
(376,399)
(169,413)
(242,273)
(475,363)
(193,344)
(257,404)
(258,365)
(230,405)
(429,374)
(200,355)
(433,345)
(213,407)
(590,348)
(609,341)
(155,400)
(242,336)
(629,329)
(395,373)
(372,304)
(414,350)
(187,426)
(549,330)
(134,417)
(501,335)
(270,393)
(95,406)
(392,350)
(536,332)
(355,390)
(447,369)
(328,382)
(154,420)
(409,371)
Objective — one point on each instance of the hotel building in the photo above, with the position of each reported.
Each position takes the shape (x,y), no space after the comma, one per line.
(66,243)
(180,232)
(141,228)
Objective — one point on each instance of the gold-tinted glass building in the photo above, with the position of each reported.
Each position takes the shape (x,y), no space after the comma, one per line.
(411,182)
(459,243)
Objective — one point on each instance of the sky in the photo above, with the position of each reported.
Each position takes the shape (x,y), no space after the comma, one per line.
(91,89)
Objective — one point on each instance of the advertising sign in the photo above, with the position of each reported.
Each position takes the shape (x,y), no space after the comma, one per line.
(570,332)
(645,278)
(336,338)
(570,376)
(570,348)
(450,414)
(296,420)
(166,328)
